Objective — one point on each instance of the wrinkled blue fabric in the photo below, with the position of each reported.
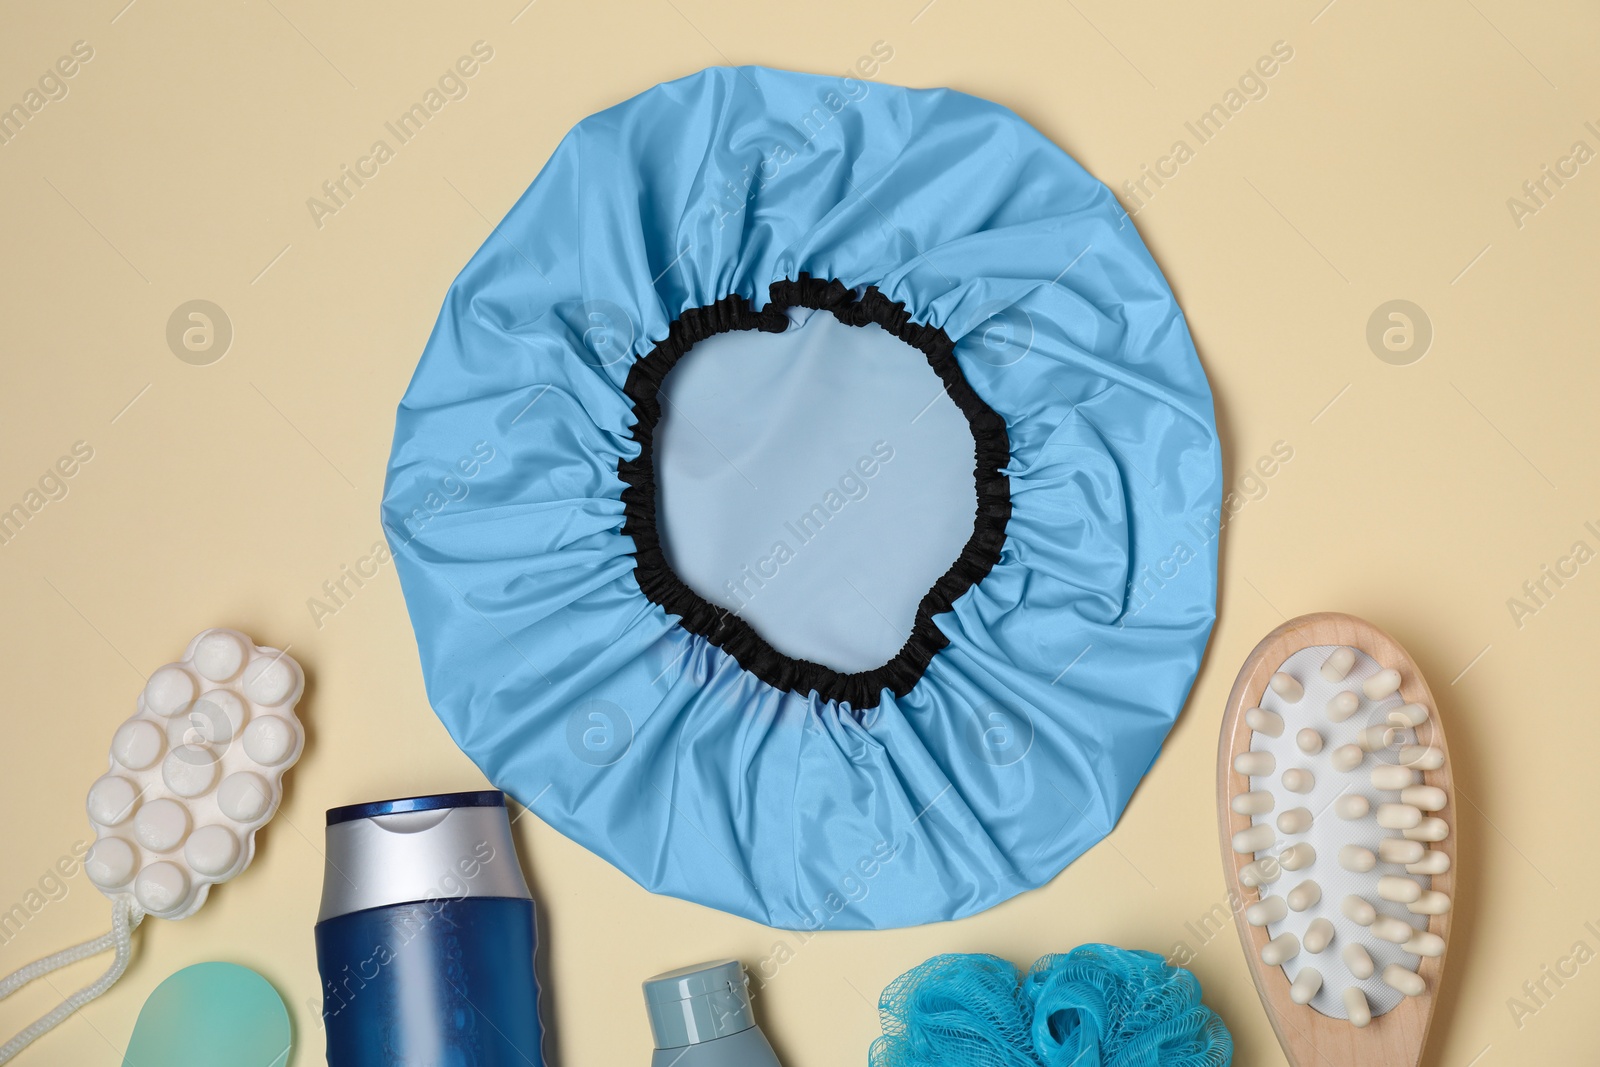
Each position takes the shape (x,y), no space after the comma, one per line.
(1067,664)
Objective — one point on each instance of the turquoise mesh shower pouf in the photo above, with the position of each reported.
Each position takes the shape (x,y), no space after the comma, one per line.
(807,500)
(1096,1006)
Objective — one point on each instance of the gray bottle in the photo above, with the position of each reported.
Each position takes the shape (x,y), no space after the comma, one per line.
(701,1017)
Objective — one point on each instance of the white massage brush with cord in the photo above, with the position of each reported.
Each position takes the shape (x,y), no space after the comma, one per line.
(1337,807)
(193,775)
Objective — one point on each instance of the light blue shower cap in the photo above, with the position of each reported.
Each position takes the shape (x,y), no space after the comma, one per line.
(662,731)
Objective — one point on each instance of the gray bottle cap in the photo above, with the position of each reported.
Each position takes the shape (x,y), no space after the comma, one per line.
(698,1004)
(433,848)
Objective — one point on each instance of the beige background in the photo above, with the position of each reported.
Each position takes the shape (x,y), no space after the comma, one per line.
(1378,166)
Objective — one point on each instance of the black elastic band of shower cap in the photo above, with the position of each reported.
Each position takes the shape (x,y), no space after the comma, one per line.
(861,690)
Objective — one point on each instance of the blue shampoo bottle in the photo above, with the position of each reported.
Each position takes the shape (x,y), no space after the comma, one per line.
(426,937)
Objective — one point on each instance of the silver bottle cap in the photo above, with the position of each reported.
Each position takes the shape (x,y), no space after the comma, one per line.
(441,847)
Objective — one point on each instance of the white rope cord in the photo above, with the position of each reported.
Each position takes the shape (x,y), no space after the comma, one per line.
(125,918)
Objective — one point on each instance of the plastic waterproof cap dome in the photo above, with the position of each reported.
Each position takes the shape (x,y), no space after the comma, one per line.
(807,500)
